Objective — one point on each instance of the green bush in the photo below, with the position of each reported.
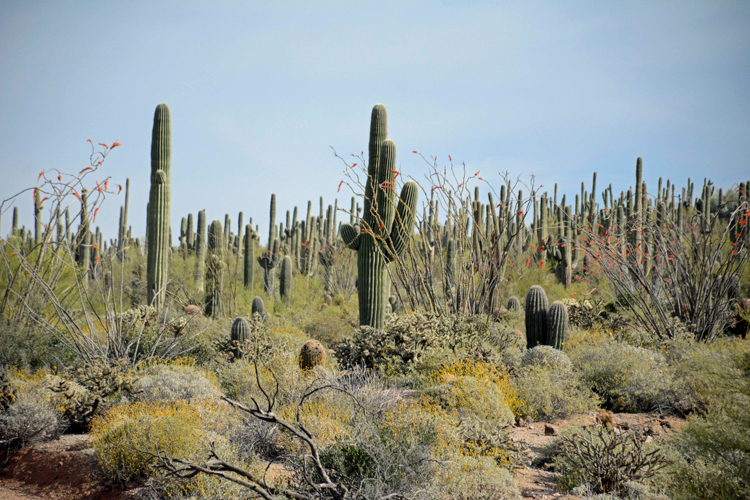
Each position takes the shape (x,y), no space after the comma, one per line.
(628,378)
(472,478)
(712,454)
(171,382)
(545,393)
(546,356)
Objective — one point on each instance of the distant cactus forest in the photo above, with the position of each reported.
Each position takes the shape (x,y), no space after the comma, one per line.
(450,339)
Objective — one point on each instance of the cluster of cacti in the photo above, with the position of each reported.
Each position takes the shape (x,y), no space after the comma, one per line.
(385,230)
(545,324)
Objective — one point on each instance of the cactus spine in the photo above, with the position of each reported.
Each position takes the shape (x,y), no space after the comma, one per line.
(386,230)
(215,271)
(557,325)
(157,270)
(536,316)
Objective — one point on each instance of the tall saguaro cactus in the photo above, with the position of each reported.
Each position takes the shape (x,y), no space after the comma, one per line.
(215,271)
(157,270)
(386,229)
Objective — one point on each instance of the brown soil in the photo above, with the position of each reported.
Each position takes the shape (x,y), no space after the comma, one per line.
(58,470)
(538,482)
(64,469)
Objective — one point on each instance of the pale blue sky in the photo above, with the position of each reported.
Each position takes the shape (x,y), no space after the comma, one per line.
(259,92)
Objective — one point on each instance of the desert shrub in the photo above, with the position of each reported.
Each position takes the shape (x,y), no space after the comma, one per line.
(603,459)
(171,382)
(129,437)
(712,455)
(628,378)
(546,356)
(394,454)
(472,478)
(545,393)
(28,420)
(474,390)
(403,342)
(329,327)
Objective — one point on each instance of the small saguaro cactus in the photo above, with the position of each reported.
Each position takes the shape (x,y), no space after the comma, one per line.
(258,308)
(239,335)
(514,304)
(311,355)
(557,325)
(285,285)
(249,249)
(386,229)
(215,271)
(536,316)
(157,267)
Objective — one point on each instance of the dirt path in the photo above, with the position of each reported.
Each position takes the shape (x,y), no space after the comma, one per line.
(58,470)
(538,482)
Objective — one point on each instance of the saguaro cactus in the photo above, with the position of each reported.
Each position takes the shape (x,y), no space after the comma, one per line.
(200,251)
(557,325)
(157,268)
(249,247)
(386,229)
(285,286)
(536,316)
(215,271)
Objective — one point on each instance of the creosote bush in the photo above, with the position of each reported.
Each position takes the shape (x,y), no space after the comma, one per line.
(628,378)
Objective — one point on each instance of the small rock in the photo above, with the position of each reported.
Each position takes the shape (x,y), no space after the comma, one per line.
(549,430)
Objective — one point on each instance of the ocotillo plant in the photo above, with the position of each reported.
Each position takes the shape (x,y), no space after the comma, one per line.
(386,230)
(157,270)
(215,271)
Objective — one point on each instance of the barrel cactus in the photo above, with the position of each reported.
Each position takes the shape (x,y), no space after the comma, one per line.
(240,336)
(557,325)
(514,304)
(536,316)
(157,267)
(311,355)
(386,229)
